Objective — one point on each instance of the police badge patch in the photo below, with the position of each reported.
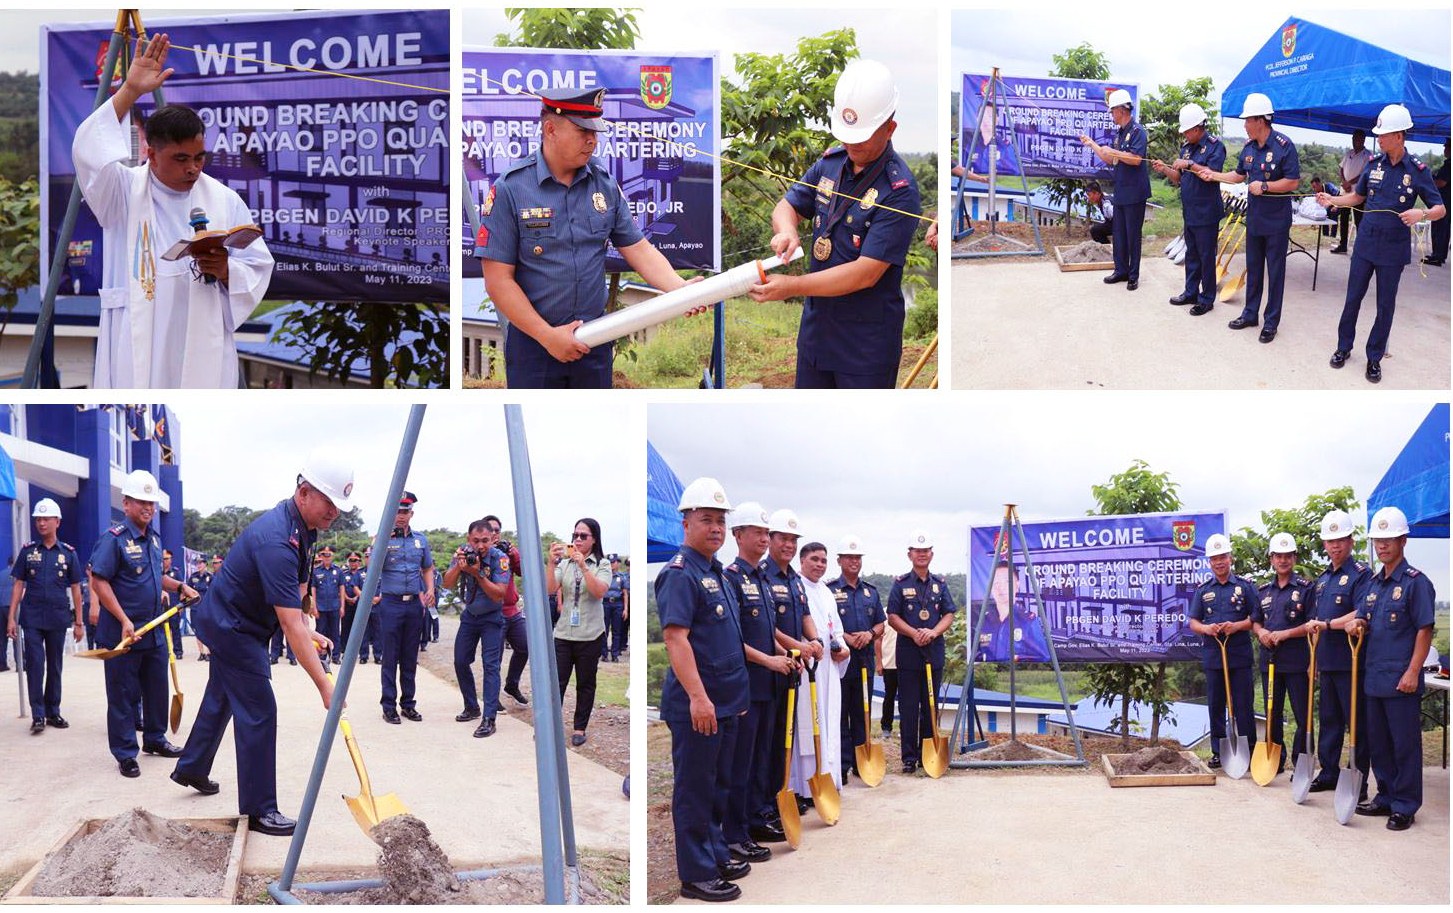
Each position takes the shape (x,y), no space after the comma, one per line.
(597,199)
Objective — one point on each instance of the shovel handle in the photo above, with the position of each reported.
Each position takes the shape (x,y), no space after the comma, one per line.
(1355,641)
(791,719)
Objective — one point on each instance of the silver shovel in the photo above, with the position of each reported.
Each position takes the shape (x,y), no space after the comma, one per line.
(1349,778)
(1302,768)
(20,672)
(1235,752)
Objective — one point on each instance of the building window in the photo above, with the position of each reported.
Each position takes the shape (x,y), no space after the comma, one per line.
(120,435)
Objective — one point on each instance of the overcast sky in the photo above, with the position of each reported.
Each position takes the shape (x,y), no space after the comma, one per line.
(862,467)
(248,453)
(1151,50)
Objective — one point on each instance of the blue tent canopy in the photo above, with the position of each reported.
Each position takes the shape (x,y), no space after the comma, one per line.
(663,521)
(7,475)
(1325,80)
(1417,481)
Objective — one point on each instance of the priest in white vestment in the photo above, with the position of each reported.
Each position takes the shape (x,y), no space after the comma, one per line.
(163,323)
(823,607)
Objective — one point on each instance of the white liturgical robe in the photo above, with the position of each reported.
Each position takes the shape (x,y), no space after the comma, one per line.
(823,606)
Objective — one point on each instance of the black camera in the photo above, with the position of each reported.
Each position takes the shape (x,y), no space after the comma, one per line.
(471,555)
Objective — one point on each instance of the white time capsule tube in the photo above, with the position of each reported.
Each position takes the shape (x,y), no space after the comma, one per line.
(663,307)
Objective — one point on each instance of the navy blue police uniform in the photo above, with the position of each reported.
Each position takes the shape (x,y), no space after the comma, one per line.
(615,609)
(921,603)
(556,237)
(1214,603)
(751,789)
(1282,608)
(482,628)
(1268,226)
(45,617)
(401,615)
(175,622)
(266,569)
(859,608)
(692,593)
(789,608)
(198,581)
(326,581)
(855,340)
(1201,210)
(1440,228)
(1397,606)
(350,605)
(1337,592)
(1384,244)
(1132,189)
(129,558)
(353,590)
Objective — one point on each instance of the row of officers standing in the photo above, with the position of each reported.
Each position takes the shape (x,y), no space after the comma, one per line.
(731,635)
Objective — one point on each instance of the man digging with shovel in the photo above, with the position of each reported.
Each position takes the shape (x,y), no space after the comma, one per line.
(1221,609)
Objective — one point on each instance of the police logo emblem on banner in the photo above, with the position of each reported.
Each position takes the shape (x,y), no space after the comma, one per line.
(656,86)
(1183,534)
(1289,40)
(597,199)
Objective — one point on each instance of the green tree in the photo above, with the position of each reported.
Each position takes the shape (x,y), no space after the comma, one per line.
(1079,62)
(335,335)
(1249,547)
(1137,490)
(19,242)
(1160,114)
(570,28)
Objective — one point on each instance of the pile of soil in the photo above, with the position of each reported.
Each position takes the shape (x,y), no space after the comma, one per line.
(415,869)
(1009,751)
(1088,252)
(137,854)
(1154,761)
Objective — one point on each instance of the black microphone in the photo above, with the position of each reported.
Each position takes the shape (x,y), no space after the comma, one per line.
(198,222)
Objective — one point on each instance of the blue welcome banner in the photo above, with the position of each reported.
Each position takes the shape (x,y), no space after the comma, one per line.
(1038,125)
(1115,589)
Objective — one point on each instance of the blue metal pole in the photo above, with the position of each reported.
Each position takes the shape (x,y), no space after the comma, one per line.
(355,640)
(554,784)
(718,346)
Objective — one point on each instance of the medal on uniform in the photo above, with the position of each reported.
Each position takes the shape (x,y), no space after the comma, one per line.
(1407,180)
(923,614)
(597,199)
(720,611)
(1268,155)
(538,250)
(1397,592)
(1343,581)
(822,248)
(755,612)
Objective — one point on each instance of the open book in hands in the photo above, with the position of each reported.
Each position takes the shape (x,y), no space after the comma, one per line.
(236,238)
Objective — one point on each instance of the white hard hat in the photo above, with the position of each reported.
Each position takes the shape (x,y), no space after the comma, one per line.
(704,492)
(784,521)
(865,97)
(1117,98)
(1393,119)
(328,471)
(1388,523)
(1336,525)
(748,513)
(1192,115)
(850,545)
(920,538)
(45,507)
(1282,544)
(1256,105)
(1219,544)
(141,485)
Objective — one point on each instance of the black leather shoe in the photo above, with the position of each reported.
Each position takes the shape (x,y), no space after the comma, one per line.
(910,767)
(200,784)
(1266,336)
(411,714)
(57,722)
(1339,358)
(1373,372)
(1373,810)
(514,692)
(1339,249)
(273,661)
(164,750)
(292,660)
(1182,299)
(1241,323)
(129,767)
(391,716)
(1322,786)
(274,824)
(1199,309)
(37,727)
(577,739)
(734,871)
(711,891)
(1113,278)
(485,728)
(748,852)
(467,715)
(1398,821)
(1214,763)
(1132,285)
(762,833)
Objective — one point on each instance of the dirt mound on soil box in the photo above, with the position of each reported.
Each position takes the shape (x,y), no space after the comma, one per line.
(416,870)
(1087,252)
(1009,751)
(137,854)
(1155,761)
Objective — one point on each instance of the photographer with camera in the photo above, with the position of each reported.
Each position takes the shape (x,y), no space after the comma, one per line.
(515,636)
(579,578)
(483,576)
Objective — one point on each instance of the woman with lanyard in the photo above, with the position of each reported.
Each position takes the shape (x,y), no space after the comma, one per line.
(580,579)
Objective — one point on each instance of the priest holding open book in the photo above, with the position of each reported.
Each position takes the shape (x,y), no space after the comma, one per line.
(169,310)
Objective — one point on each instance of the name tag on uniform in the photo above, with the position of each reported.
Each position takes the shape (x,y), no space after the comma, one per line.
(710,584)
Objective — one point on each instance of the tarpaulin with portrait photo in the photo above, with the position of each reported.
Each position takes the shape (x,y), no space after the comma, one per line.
(1038,125)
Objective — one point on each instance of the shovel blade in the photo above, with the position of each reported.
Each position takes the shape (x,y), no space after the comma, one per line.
(370,811)
(1302,778)
(102,654)
(871,763)
(176,714)
(791,820)
(1264,761)
(1235,757)
(825,798)
(1344,802)
(935,756)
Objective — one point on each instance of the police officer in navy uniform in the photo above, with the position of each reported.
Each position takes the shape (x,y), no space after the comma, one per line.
(860,609)
(1336,595)
(1269,166)
(1221,608)
(45,571)
(352,589)
(704,695)
(406,586)
(1388,188)
(751,789)
(795,631)
(1279,622)
(1201,206)
(863,202)
(614,602)
(546,226)
(199,579)
(169,569)
(1396,616)
(260,589)
(127,578)
(482,574)
(328,598)
(1126,154)
(921,609)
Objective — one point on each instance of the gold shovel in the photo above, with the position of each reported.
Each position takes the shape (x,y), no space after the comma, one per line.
(825,796)
(871,763)
(368,810)
(1266,756)
(126,642)
(935,746)
(786,798)
(171,658)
